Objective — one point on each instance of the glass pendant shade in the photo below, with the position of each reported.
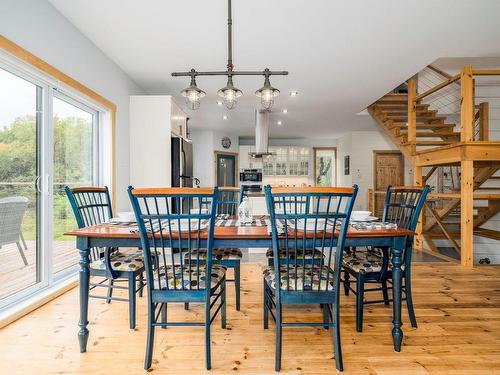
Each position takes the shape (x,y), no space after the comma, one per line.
(230,94)
(267,93)
(193,95)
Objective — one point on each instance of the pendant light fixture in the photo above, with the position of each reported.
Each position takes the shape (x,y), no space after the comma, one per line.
(229,93)
(267,93)
(193,94)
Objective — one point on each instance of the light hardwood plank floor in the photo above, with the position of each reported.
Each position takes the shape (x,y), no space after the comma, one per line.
(458,312)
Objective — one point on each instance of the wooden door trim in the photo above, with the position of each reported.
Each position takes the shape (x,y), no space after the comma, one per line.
(235,154)
(334,149)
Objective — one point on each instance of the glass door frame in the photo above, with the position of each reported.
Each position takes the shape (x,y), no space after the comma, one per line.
(43,261)
(216,164)
(43,184)
(97,175)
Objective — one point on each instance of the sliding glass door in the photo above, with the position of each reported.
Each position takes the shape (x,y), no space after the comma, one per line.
(75,130)
(47,140)
(20,209)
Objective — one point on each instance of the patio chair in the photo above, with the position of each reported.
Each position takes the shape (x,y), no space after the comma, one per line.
(12,211)
(402,206)
(91,206)
(322,226)
(227,204)
(171,278)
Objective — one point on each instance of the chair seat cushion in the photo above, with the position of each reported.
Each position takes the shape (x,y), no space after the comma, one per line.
(310,282)
(363,261)
(218,254)
(188,278)
(302,254)
(123,261)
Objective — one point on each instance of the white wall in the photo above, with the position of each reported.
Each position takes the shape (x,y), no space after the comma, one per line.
(359,146)
(205,142)
(39,28)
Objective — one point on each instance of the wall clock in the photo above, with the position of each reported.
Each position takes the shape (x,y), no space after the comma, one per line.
(226,142)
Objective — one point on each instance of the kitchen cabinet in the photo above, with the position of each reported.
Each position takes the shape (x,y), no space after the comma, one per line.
(287,161)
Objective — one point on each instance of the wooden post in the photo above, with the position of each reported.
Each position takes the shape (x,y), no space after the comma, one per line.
(418,240)
(484,121)
(466,105)
(466,212)
(412,114)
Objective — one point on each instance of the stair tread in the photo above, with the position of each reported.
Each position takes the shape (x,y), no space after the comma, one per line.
(429,143)
(432,134)
(424,126)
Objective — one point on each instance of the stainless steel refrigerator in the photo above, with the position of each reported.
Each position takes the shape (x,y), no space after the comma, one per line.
(182,163)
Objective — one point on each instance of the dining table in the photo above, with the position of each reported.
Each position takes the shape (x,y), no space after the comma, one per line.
(238,236)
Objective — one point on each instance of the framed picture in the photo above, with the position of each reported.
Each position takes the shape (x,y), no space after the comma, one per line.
(347,167)
(324,166)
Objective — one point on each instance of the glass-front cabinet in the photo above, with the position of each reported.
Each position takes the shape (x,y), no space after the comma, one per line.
(286,161)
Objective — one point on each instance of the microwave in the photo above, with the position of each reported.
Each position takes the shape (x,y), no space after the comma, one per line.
(251,175)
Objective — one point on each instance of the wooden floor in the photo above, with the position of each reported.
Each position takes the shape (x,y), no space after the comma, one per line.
(16,276)
(458,311)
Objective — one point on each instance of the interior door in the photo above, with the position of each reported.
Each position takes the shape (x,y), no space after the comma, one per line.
(226,169)
(388,170)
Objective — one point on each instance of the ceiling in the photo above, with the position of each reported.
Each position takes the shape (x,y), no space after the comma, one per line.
(341,55)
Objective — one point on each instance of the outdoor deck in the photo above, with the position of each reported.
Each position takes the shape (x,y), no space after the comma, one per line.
(458,312)
(16,276)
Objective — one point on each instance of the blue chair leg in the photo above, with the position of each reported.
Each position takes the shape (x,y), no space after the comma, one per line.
(360,295)
(409,300)
(141,283)
(150,338)
(326,315)
(208,357)
(277,365)
(223,308)
(110,290)
(385,293)
(346,282)
(164,314)
(266,308)
(237,273)
(337,345)
(131,299)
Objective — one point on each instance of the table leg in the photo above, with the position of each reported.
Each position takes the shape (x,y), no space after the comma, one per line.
(83,334)
(397,275)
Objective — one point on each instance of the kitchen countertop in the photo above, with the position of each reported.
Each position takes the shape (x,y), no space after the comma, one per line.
(255,194)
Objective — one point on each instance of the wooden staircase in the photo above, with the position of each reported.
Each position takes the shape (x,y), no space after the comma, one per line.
(432,136)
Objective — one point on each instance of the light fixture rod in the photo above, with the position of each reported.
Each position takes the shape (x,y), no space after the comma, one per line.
(229,37)
(233,73)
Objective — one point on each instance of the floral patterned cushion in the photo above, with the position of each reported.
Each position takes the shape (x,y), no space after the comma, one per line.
(311,281)
(363,260)
(219,254)
(307,254)
(124,261)
(182,277)
(366,260)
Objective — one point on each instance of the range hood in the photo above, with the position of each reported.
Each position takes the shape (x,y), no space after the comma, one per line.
(261,134)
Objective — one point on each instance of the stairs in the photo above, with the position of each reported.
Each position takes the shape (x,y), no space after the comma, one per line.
(434,130)
(391,112)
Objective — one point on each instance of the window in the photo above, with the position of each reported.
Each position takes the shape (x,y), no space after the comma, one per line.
(39,155)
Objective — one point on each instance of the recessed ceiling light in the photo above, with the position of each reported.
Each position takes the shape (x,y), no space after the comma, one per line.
(294,93)
(279,123)
(224,117)
(219,103)
(284,110)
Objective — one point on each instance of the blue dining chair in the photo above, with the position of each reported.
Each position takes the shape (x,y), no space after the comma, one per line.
(403,205)
(321,226)
(227,205)
(299,204)
(91,206)
(165,238)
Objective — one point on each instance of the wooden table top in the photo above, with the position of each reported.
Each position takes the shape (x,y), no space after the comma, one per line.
(246,232)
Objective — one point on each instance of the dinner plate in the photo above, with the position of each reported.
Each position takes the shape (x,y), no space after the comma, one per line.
(185,225)
(312,225)
(120,220)
(369,218)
